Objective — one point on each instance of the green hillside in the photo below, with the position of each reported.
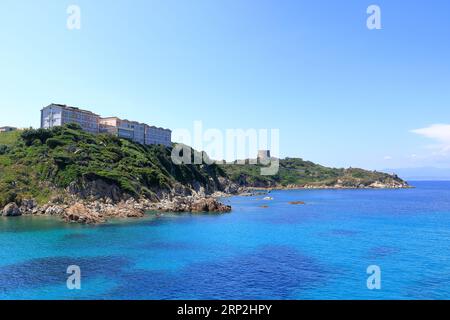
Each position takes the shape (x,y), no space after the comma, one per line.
(297,172)
(42,164)
(9,138)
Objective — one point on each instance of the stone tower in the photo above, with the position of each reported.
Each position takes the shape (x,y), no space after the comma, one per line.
(263,156)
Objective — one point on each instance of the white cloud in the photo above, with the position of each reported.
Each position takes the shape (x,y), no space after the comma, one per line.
(387,158)
(440,133)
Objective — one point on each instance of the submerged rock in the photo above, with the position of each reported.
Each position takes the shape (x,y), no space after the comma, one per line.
(297,202)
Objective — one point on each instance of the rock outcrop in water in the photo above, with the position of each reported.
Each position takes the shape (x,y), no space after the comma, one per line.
(11,210)
(91,211)
(191,204)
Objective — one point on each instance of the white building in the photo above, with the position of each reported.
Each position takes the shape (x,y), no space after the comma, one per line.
(155,135)
(123,128)
(56,115)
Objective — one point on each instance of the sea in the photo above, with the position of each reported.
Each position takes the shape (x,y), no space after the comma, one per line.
(340,244)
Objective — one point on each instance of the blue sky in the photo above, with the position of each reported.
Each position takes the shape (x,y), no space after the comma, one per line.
(341,94)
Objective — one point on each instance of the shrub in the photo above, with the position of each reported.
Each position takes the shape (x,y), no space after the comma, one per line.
(3,149)
(30,135)
(52,143)
(7,197)
(62,160)
(74,126)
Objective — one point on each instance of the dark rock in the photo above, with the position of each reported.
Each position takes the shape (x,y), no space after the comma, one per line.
(29,204)
(11,210)
(96,188)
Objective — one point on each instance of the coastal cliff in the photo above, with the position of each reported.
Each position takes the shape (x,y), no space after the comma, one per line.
(87,178)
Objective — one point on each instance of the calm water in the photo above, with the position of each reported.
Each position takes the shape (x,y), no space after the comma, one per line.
(317,251)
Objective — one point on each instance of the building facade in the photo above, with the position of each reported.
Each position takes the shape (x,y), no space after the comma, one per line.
(56,115)
(7,129)
(132,130)
(155,135)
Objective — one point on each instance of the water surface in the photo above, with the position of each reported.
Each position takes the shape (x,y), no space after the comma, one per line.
(320,250)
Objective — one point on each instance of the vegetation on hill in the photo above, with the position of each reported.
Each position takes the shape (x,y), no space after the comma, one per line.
(9,138)
(300,173)
(40,164)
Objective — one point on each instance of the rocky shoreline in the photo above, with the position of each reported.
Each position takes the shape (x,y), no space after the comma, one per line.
(92,210)
(338,186)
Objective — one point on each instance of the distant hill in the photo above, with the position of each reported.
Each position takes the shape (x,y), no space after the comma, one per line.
(299,173)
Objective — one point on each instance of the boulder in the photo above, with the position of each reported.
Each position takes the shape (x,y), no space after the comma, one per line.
(190,204)
(11,210)
(81,214)
(29,204)
(54,210)
(209,205)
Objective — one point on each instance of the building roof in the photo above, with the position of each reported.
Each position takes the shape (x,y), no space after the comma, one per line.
(154,127)
(72,108)
(134,122)
(105,118)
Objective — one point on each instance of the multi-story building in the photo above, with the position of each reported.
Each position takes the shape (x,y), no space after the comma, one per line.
(155,135)
(58,114)
(123,128)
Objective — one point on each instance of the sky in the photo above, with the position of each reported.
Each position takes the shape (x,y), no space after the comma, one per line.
(340,94)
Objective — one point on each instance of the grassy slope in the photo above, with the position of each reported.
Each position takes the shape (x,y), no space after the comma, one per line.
(9,138)
(42,162)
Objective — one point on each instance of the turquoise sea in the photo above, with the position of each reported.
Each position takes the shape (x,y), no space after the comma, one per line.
(320,250)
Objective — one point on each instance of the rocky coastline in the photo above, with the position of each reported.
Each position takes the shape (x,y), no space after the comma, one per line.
(92,211)
(85,178)
(83,207)
(337,186)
